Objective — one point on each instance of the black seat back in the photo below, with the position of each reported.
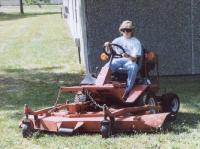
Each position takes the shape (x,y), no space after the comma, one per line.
(141,59)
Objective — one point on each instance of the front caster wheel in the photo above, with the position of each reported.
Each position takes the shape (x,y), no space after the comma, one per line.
(105,129)
(26,131)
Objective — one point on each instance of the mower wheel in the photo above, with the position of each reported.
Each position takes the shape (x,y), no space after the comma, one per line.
(105,129)
(80,97)
(26,131)
(151,100)
(142,100)
(170,103)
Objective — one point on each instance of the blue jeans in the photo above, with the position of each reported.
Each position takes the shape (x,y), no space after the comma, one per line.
(130,66)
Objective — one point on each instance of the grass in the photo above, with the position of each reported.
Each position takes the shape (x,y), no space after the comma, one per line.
(38,55)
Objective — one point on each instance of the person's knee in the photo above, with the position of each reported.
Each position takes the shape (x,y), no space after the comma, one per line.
(132,67)
(114,65)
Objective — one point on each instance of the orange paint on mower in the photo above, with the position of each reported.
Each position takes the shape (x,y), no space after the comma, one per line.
(98,105)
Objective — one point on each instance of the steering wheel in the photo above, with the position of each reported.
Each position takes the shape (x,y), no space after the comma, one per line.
(113,52)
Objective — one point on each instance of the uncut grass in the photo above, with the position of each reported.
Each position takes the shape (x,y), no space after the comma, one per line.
(43,33)
(38,55)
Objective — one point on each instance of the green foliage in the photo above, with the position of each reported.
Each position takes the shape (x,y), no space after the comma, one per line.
(36,2)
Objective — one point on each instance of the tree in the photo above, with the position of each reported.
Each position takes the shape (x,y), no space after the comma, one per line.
(34,2)
(21,7)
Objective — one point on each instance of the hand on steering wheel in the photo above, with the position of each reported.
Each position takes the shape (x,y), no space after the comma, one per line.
(125,55)
(109,50)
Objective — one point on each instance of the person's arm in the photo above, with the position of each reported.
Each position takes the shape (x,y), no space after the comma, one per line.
(133,58)
(107,45)
(137,51)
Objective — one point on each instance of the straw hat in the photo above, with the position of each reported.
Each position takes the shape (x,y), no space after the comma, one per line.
(126,25)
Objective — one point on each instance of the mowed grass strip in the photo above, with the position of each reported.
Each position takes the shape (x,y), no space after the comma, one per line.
(36,40)
(38,55)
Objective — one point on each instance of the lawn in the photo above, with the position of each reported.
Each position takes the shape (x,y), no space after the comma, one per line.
(38,55)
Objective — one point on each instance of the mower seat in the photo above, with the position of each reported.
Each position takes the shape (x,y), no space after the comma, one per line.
(121,76)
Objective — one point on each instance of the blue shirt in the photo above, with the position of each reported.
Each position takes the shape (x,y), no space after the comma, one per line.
(132,46)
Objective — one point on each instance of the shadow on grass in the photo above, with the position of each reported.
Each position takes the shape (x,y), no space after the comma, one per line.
(15,16)
(35,87)
(185,122)
(39,87)
(20,70)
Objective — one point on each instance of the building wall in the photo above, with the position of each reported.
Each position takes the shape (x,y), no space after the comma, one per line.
(75,16)
(196,35)
(169,27)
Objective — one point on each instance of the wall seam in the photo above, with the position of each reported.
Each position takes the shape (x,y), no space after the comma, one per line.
(84,34)
(192,38)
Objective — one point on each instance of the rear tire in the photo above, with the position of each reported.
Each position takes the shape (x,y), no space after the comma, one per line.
(170,103)
(142,99)
(151,100)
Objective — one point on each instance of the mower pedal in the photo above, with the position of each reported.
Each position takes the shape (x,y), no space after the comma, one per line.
(136,92)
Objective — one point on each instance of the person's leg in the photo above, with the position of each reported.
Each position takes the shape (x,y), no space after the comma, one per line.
(132,69)
(116,63)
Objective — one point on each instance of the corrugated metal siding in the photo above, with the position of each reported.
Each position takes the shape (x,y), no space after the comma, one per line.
(196,35)
(75,14)
(169,27)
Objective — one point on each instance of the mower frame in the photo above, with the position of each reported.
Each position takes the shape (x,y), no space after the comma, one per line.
(102,108)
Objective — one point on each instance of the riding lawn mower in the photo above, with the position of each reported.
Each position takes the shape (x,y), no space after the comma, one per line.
(99,107)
